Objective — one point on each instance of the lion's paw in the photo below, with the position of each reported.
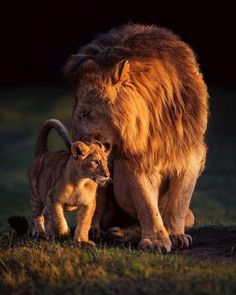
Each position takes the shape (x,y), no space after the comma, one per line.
(115,236)
(161,246)
(96,234)
(180,241)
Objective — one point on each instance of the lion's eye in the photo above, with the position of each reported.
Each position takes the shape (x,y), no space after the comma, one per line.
(83,115)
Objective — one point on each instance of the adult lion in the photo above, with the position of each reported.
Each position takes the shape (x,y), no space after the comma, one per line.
(139,89)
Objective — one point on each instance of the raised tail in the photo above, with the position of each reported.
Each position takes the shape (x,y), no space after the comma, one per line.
(41,143)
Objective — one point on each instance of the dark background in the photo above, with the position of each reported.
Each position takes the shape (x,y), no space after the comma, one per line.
(37,38)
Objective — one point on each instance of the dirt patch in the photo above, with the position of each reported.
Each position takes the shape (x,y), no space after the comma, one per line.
(218,243)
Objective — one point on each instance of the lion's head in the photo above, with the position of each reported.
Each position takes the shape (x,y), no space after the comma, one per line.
(151,107)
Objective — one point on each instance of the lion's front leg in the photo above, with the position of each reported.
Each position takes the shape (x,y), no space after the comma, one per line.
(153,232)
(144,194)
(177,208)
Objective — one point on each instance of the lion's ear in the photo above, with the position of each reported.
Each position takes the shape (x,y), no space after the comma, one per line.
(121,72)
(79,150)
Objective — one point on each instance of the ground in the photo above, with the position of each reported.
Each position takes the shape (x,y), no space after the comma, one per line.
(40,267)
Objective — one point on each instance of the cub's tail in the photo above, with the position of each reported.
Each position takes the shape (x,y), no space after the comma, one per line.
(41,143)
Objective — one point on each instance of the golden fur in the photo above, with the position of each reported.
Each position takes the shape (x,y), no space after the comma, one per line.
(169,93)
(63,181)
(139,89)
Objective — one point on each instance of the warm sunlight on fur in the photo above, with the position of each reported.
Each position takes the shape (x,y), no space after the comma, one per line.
(139,89)
(65,181)
(159,105)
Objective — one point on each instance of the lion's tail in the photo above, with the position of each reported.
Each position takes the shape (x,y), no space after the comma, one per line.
(41,143)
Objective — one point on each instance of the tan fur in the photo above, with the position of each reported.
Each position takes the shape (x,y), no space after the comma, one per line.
(63,181)
(139,89)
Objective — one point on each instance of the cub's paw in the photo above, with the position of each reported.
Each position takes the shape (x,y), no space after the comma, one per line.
(49,230)
(181,241)
(161,246)
(50,233)
(96,234)
(63,233)
(39,234)
(84,244)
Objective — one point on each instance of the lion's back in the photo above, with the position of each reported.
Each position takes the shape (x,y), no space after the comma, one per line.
(130,41)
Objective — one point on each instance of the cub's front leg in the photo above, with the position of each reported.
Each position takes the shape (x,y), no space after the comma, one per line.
(84,219)
(48,222)
(58,219)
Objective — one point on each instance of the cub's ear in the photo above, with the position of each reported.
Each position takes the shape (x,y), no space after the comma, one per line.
(121,72)
(80,150)
(107,148)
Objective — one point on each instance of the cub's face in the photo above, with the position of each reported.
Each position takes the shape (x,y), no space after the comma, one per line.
(91,160)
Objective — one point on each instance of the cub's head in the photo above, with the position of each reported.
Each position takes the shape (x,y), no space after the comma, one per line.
(91,159)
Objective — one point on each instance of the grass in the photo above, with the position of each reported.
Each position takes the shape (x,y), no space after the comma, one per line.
(39,267)
(31,267)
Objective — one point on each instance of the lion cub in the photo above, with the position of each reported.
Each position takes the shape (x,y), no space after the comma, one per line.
(67,181)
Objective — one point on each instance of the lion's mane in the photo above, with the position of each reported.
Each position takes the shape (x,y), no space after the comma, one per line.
(160,110)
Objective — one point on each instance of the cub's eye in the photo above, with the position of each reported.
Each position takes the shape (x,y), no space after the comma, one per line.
(96,163)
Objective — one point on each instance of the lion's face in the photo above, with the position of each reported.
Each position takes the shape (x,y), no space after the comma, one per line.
(90,117)
(150,103)
(97,113)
